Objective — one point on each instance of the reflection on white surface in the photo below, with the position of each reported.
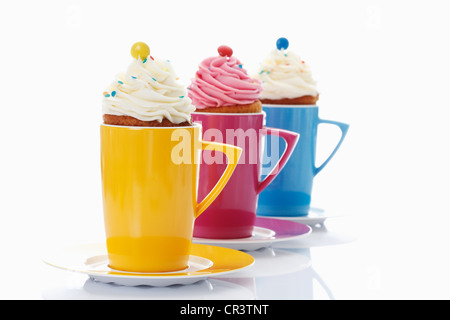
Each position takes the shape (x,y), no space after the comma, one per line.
(270,262)
(278,273)
(81,287)
(301,285)
(319,237)
(283,275)
(286,275)
(287,270)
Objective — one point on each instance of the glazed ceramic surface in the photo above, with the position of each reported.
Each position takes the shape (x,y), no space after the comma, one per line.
(150,194)
(205,261)
(233,214)
(290,193)
(265,232)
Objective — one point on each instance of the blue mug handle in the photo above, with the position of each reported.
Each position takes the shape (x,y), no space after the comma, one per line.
(344,129)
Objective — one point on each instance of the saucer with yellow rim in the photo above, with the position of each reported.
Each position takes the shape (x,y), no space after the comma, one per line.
(205,261)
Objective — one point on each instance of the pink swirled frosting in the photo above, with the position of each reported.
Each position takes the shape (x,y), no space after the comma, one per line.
(221,81)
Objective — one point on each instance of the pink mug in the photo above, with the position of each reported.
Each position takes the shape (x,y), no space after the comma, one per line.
(233,213)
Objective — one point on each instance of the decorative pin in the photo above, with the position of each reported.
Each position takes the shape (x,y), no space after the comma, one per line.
(282,44)
(225,51)
(140,50)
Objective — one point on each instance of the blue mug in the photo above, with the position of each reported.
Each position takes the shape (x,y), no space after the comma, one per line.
(289,195)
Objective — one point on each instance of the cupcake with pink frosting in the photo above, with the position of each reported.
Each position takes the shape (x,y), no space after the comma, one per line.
(222,85)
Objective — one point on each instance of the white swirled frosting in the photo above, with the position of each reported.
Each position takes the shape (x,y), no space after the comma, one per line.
(285,75)
(148,91)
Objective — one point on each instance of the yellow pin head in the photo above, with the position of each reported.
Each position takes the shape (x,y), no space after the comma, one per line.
(140,50)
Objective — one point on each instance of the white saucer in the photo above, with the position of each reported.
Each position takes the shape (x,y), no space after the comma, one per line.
(204,261)
(265,232)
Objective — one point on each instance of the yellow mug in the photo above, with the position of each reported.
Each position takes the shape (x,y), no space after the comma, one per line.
(150,187)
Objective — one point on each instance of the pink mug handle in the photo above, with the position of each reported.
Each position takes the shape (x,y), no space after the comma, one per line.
(291,139)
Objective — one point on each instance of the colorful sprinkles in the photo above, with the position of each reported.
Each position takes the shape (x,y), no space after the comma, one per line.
(107,95)
(264,71)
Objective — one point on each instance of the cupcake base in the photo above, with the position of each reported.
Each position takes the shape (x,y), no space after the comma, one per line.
(254,107)
(299,100)
(133,122)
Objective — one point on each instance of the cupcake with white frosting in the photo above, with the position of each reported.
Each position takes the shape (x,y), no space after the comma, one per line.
(286,79)
(147,94)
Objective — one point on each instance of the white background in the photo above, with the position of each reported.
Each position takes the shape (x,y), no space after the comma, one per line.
(382,66)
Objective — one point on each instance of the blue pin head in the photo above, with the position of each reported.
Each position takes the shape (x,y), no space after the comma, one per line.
(282,43)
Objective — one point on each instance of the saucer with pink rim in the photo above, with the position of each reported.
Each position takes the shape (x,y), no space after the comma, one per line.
(265,232)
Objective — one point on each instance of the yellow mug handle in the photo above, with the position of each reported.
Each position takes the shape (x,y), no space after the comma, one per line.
(233,155)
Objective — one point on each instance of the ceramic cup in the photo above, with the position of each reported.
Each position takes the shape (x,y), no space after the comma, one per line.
(290,193)
(233,214)
(150,182)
